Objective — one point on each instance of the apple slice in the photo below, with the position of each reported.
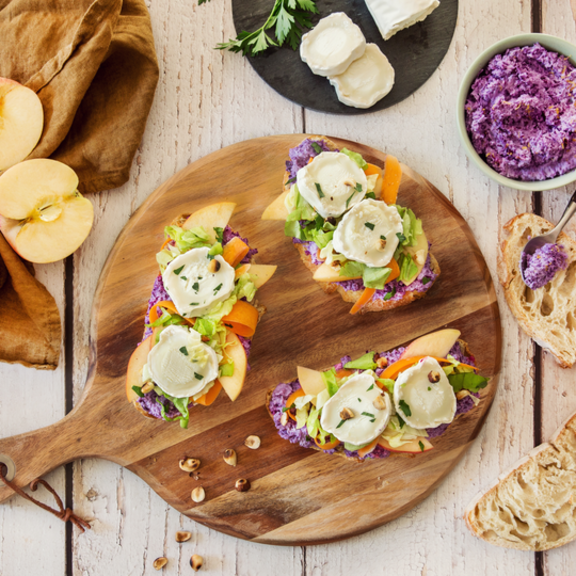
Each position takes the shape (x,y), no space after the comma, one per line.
(411,447)
(311,381)
(277,210)
(327,273)
(210,217)
(261,273)
(234,351)
(21,122)
(135,365)
(419,254)
(45,218)
(435,344)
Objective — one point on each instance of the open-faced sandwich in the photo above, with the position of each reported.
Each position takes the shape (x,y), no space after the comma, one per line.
(381,403)
(201,316)
(342,216)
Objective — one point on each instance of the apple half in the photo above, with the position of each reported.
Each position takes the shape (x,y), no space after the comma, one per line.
(311,381)
(234,351)
(43,216)
(210,217)
(21,122)
(435,344)
(277,210)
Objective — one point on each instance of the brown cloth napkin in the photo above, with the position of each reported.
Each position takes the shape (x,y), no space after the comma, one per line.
(30,328)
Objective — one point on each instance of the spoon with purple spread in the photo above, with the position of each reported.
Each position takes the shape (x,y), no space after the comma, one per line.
(541,258)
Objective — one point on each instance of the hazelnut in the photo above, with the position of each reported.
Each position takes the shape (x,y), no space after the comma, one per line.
(214,266)
(148,387)
(198,494)
(379,402)
(252,442)
(284,419)
(189,464)
(434,376)
(346,414)
(350,182)
(183,536)
(382,362)
(159,563)
(242,485)
(381,244)
(462,394)
(196,562)
(230,456)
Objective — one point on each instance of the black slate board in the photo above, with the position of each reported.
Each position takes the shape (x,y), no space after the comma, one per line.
(415,53)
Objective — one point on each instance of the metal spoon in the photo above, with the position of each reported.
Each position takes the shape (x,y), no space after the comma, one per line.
(539,241)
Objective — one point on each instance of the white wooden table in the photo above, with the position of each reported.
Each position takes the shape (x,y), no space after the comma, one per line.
(205,100)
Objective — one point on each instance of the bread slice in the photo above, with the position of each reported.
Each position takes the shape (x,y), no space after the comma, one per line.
(533,506)
(354,295)
(548,315)
(466,351)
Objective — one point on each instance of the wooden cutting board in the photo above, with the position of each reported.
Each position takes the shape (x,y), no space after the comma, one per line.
(298,496)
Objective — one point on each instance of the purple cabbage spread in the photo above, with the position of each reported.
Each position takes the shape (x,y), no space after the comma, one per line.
(150,405)
(158,294)
(311,249)
(301,154)
(300,436)
(540,267)
(520,114)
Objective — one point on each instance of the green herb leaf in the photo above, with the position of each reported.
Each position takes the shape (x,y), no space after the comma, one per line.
(329,378)
(390,294)
(369,225)
(425,280)
(368,414)
(217,289)
(405,408)
(317,148)
(370,388)
(467,381)
(400,421)
(340,424)
(178,270)
(401,237)
(219,234)
(198,376)
(358,187)
(371,195)
(350,198)
(183,278)
(138,391)
(365,362)
(194,304)
(319,188)
(184,350)
(421,445)
(382,237)
(195,286)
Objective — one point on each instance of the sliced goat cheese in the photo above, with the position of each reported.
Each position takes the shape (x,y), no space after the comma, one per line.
(181,364)
(423,395)
(368,233)
(332,183)
(196,281)
(392,16)
(332,45)
(358,412)
(366,81)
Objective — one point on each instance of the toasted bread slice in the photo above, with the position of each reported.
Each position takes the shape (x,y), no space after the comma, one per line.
(375,305)
(548,315)
(533,506)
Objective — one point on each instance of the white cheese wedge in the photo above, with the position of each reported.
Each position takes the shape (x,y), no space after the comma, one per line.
(181,364)
(332,45)
(366,81)
(358,394)
(193,288)
(429,404)
(367,233)
(332,183)
(394,15)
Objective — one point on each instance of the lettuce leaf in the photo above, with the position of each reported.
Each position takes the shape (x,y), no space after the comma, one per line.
(375,277)
(185,240)
(467,381)
(352,269)
(365,362)
(356,157)
(329,378)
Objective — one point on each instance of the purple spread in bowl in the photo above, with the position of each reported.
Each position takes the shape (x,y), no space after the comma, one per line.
(300,436)
(540,267)
(520,114)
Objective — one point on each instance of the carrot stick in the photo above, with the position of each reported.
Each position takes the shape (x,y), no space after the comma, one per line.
(166,242)
(242,319)
(367,449)
(395,270)
(290,401)
(241,270)
(171,308)
(234,251)
(364,299)
(342,373)
(392,177)
(211,395)
(372,169)
(328,445)
(394,369)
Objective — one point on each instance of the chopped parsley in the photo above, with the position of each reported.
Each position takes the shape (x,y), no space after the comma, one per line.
(317,148)
(359,400)
(183,278)
(369,225)
(372,386)
(319,188)
(350,198)
(382,237)
(425,280)
(194,304)
(217,289)
(358,187)
(219,234)
(405,408)
(371,195)
(178,270)
(341,422)
(400,421)
(401,237)
(421,445)
(368,414)
(390,294)
(195,286)
(198,376)
(429,388)
(184,350)
(291,180)
(138,391)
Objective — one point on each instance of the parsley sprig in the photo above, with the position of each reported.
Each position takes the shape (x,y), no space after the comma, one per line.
(289,18)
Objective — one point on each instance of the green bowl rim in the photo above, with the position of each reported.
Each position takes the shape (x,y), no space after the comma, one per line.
(548,41)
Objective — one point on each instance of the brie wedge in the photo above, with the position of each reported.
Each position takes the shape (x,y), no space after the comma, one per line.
(368,233)
(181,364)
(370,415)
(392,16)
(366,81)
(332,183)
(421,402)
(332,45)
(194,289)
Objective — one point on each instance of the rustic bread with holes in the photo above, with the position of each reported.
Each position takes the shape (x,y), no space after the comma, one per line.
(548,315)
(533,506)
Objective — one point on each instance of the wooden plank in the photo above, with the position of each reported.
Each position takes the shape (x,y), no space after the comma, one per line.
(558,390)
(205,100)
(421,131)
(30,398)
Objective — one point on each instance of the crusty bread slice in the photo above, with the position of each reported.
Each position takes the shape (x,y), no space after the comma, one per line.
(548,315)
(465,350)
(351,295)
(533,506)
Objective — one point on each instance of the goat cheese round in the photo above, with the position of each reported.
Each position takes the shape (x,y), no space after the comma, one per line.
(358,412)
(332,183)
(181,364)
(421,402)
(196,282)
(366,81)
(368,233)
(332,45)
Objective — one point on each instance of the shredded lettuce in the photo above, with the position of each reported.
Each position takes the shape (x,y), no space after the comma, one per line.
(313,422)
(372,179)
(245,287)
(411,226)
(375,277)
(388,383)
(365,362)
(301,417)
(398,433)
(185,240)
(227,369)
(356,157)
(329,378)
(467,381)
(408,268)
(353,447)
(322,398)
(181,405)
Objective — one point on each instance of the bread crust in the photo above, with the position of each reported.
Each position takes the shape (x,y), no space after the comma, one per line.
(354,295)
(547,315)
